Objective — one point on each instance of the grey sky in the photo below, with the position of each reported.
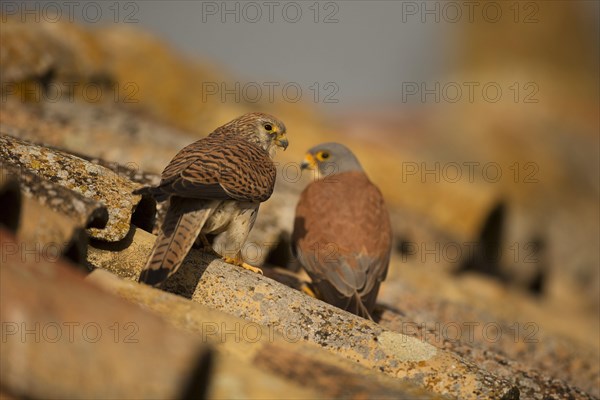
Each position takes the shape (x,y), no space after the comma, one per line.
(366,48)
(365,52)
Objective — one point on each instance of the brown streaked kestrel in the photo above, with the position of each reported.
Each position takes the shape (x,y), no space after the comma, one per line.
(342,233)
(215,186)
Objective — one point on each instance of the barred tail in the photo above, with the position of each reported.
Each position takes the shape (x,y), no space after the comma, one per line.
(182,224)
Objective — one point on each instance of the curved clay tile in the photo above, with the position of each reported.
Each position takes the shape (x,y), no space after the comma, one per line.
(73,186)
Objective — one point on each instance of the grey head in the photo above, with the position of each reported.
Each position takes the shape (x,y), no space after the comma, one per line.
(331,158)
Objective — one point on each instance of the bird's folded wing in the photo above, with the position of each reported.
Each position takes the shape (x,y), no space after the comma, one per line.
(349,274)
(214,169)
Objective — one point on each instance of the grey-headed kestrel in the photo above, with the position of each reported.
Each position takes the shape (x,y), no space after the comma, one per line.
(214,187)
(342,233)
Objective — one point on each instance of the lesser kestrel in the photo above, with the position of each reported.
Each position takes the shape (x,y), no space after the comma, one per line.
(214,187)
(342,233)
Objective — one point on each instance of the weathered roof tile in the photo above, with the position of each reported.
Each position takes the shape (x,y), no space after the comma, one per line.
(74,186)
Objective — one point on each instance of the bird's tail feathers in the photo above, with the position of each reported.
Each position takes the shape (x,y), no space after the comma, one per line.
(178,232)
(357,307)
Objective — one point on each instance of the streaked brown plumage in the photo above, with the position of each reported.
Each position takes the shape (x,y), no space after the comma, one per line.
(215,186)
(342,233)
(220,168)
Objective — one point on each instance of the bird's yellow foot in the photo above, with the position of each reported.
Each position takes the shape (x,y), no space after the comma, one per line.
(242,264)
(305,287)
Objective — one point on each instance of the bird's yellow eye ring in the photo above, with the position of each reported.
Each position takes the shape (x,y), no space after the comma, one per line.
(268,127)
(323,155)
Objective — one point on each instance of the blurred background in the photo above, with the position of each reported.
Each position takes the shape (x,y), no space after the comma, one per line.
(368,49)
(479,121)
(456,109)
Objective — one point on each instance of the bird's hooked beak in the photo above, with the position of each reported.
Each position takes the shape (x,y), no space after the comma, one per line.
(282,141)
(309,162)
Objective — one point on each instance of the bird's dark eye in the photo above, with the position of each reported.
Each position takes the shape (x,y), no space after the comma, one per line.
(325,155)
(268,127)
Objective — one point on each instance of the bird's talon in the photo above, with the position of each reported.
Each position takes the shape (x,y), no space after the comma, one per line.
(305,288)
(242,264)
(251,268)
